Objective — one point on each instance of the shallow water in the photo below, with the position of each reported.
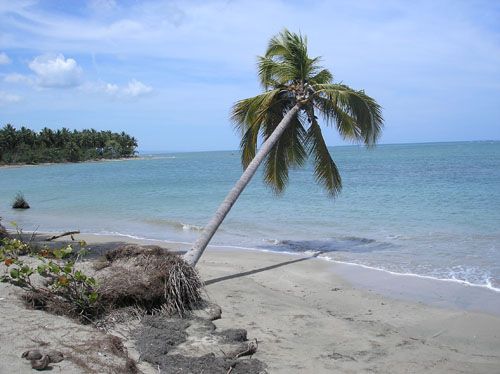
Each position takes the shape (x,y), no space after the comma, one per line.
(431,210)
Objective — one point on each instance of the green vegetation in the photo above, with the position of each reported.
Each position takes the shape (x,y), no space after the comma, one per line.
(25,146)
(66,290)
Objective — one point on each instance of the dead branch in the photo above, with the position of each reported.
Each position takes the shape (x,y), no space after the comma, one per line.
(33,234)
(251,349)
(71,233)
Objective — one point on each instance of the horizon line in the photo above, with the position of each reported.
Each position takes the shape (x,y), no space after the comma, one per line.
(342,145)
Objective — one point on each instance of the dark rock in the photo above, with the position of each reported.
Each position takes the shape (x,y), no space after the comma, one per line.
(233,335)
(158,335)
(41,364)
(34,354)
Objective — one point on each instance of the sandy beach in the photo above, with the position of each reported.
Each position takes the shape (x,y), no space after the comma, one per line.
(312,321)
(23,165)
(306,317)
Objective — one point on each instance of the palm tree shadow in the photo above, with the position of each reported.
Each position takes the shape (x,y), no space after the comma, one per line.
(255,271)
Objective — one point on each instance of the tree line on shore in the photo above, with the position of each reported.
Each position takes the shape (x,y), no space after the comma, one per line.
(26,146)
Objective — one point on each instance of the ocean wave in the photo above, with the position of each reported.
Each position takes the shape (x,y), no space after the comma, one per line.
(188,227)
(116,233)
(155,157)
(319,254)
(487,284)
(142,238)
(174,224)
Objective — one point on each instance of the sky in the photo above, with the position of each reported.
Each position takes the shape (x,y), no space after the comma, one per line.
(168,72)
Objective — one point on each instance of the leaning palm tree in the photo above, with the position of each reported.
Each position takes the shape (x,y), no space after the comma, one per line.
(297,90)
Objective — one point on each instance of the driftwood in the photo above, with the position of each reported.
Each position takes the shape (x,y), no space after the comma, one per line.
(71,233)
(249,351)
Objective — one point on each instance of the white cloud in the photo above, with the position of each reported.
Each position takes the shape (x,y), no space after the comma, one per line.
(382,35)
(99,6)
(4,59)
(111,89)
(7,98)
(133,89)
(18,78)
(56,71)
(136,88)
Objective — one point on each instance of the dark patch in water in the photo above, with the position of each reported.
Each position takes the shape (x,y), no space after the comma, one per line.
(343,244)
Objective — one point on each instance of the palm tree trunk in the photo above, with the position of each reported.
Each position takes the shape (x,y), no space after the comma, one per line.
(193,255)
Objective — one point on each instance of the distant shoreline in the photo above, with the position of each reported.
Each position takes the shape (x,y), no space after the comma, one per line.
(20,165)
(134,158)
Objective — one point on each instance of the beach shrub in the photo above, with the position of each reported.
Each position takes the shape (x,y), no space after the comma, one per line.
(20,202)
(12,248)
(66,289)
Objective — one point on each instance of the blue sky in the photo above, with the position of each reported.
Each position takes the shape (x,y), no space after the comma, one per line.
(168,72)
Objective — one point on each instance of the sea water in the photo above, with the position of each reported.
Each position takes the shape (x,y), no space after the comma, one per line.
(429,210)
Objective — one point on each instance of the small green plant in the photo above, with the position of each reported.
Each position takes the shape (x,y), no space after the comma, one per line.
(20,202)
(64,283)
(12,248)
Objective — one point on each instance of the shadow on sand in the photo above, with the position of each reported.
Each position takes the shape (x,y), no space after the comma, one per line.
(255,271)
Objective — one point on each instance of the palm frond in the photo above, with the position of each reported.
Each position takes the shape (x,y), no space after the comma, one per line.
(286,60)
(285,44)
(296,140)
(357,116)
(248,145)
(276,45)
(276,169)
(275,113)
(248,112)
(258,115)
(322,77)
(334,114)
(288,152)
(325,170)
(274,73)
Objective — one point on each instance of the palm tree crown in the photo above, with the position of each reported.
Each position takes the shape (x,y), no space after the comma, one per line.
(290,77)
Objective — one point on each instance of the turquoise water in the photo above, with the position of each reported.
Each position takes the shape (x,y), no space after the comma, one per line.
(430,210)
